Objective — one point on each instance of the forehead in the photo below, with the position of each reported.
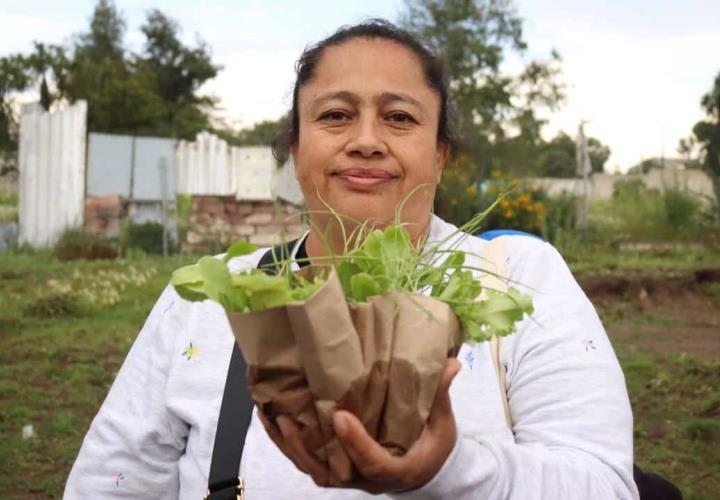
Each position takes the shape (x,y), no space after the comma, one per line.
(369,67)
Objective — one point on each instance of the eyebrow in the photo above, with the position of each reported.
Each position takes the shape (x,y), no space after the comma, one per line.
(382,99)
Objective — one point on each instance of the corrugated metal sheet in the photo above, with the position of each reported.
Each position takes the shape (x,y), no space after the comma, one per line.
(118,162)
(109,165)
(52,172)
(287,186)
(255,167)
(205,167)
(209,166)
(150,154)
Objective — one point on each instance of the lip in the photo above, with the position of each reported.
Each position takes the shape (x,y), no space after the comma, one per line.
(364,178)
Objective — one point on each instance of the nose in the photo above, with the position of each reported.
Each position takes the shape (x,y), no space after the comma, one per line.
(367,139)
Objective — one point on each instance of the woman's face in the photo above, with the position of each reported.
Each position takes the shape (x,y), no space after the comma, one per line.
(368,134)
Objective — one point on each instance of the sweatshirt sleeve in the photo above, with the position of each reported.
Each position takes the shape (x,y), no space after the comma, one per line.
(132,447)
(572,420)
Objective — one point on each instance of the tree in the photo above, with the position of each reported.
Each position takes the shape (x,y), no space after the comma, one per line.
(179,73)
(152,93)
(557,157)
(707,135)
(495,113)
(473,36)
(13,78)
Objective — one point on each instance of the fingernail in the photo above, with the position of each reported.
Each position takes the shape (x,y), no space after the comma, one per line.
(340,425)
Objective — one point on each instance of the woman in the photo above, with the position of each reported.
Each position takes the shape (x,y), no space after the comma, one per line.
(369,125)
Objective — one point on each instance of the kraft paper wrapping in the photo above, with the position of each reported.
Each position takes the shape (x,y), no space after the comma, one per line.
(425,332)
(381,360)
(329,349)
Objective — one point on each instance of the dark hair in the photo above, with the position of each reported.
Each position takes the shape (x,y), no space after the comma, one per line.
(433,68)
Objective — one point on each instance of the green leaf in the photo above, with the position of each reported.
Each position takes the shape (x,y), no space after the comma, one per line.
(362,286)
(265,299)
(186,274)
(239,249)
(216,277)
(256,281)
(345,271)
(456,259)
(191,294)
(499,313)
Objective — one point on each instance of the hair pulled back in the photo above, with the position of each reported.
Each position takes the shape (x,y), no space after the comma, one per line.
(433,68)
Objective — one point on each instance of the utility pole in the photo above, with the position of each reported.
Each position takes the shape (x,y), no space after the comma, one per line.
(583,171)
(162,167)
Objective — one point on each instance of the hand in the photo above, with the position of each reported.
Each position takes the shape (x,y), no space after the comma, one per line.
(381,472)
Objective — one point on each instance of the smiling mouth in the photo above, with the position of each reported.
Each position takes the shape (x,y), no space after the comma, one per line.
(364,179)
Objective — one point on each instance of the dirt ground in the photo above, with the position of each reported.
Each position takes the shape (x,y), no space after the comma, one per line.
(670,314)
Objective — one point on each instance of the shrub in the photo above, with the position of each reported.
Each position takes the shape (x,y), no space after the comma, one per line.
(521,208)
(560,216)
(638,213)
(147,237)
(55,304)
(79,244)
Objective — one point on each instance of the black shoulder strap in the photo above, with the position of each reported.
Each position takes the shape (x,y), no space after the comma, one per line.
(236,410)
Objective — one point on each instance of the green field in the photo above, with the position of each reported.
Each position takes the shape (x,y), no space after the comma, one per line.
(65,328)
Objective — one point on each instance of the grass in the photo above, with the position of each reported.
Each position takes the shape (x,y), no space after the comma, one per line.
(676,404)
(56,368)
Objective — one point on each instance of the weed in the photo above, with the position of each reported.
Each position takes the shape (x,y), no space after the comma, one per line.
(703,429)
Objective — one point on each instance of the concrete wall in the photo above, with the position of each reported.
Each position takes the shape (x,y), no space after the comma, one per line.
(602,185)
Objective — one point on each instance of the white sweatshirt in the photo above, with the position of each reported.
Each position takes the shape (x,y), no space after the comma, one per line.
(572,423)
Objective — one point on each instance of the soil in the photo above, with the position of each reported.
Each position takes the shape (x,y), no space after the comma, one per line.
(674,313)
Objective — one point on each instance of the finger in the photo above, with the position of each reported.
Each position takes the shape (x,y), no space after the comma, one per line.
(372,460)
(279,440)
(296,448)
(271,429)
(442,405)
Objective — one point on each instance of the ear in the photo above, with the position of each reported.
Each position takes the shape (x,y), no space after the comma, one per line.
(441,157)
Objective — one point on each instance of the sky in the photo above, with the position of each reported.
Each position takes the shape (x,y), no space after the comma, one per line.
(634,71)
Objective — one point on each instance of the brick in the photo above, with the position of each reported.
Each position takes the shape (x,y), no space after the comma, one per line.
(244,207)
(264,208)
(267,229)
(194,238)
(264,239)
(259,218)
(201,219)
(235,219)
(294,231)
(243,230)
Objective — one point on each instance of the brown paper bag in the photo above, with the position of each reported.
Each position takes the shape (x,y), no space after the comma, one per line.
(425,333)
(275,374)
(329,349)
(381,360)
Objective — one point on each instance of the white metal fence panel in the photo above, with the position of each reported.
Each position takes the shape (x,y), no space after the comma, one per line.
(255,167)
(204,167)
(52,172)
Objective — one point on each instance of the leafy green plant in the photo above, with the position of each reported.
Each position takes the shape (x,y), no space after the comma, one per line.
(379,262)
(147,237)
(560,215)
(56,304)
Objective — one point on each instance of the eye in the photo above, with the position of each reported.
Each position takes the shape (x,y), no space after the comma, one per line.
(400,118)
(335,116)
